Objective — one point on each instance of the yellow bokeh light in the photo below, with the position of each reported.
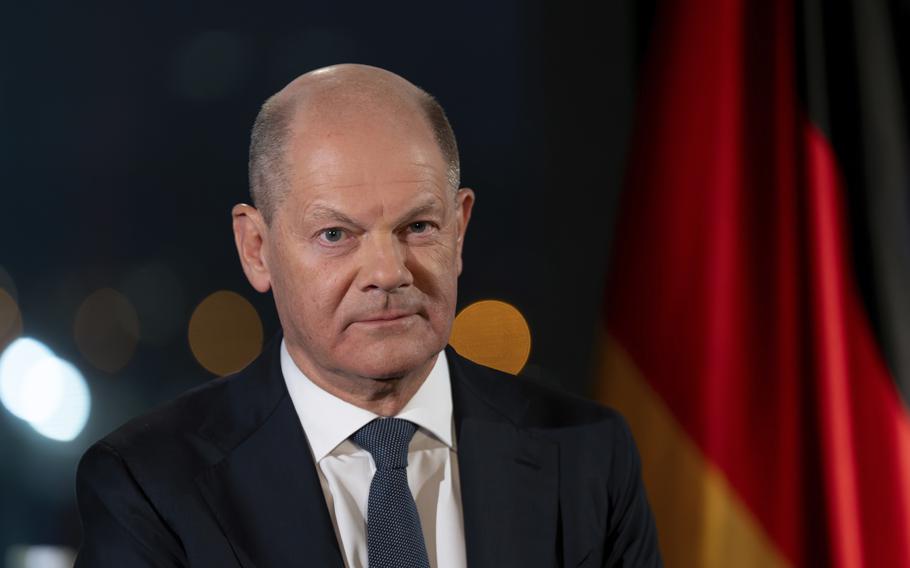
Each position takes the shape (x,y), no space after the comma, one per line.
(106,329)
(492,333)
(10,319)
(225,333)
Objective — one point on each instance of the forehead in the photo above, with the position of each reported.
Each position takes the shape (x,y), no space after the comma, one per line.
(363,152)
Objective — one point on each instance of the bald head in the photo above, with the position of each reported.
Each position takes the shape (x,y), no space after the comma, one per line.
(343,96)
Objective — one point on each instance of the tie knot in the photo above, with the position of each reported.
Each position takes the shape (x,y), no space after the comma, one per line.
(387,440)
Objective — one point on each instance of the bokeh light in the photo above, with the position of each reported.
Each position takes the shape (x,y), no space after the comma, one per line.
(492,333)
(10,319)
(107,329)
(15,363)
(225,332)
(40,556)
(44,390)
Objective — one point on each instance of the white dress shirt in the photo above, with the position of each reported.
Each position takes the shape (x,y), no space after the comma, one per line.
(346,470)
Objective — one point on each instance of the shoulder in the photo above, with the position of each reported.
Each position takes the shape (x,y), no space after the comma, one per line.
(172,418)
(595,445)
(536,406)
(161,447)
(167,447)
(172,424)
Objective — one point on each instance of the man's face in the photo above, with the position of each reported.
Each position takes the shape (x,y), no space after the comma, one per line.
(365,251)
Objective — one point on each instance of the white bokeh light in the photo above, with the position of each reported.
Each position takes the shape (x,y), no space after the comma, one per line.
(15,362)
(39,556)
(44,390)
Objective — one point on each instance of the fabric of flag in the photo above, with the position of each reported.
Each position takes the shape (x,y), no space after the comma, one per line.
(758,298)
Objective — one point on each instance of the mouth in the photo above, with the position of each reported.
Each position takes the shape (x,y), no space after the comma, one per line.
(385,318)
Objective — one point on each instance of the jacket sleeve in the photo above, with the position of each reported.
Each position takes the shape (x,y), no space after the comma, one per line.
(120,525)
(632,535)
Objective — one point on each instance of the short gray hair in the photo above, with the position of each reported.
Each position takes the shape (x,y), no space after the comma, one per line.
(269,181)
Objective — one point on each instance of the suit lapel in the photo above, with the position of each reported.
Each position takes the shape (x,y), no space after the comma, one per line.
(265,492)
(509,476)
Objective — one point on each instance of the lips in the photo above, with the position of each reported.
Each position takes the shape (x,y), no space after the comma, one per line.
(403,311)
(384,316)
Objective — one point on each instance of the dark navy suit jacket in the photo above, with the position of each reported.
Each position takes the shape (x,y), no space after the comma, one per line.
(223,477)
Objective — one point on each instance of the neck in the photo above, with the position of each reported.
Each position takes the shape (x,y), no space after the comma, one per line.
(385,396)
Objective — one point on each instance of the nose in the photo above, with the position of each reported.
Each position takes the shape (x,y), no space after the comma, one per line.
(383,264)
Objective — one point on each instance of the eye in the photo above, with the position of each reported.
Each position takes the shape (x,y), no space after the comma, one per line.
(419,226)
(332,234)
(422,227)
(420,230)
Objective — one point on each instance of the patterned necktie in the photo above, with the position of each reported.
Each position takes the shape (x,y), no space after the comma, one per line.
(394,536)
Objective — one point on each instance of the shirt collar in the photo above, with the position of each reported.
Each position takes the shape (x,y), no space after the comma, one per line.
(328,421)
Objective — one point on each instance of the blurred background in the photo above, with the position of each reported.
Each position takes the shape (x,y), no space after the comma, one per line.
(696,211)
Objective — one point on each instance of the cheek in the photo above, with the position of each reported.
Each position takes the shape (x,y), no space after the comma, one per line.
(311,292)
(435,272)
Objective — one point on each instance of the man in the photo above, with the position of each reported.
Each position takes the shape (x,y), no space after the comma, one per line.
(358,438)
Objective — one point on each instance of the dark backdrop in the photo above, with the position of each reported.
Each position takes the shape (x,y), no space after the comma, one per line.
(123,138)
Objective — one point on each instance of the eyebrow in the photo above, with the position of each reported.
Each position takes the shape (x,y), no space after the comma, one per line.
(323,213)
(429,206)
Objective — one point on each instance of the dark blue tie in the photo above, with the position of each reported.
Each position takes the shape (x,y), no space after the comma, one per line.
(394,536)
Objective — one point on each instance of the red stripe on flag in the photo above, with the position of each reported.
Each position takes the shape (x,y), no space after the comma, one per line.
(731,290)
(704,291)
(831,323)
(865,429)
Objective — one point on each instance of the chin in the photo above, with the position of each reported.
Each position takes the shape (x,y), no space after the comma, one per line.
(390,357)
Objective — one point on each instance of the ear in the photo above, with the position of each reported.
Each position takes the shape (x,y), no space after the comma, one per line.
(251,238)
(464,203)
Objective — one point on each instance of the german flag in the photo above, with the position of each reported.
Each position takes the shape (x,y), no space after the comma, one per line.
(758,299)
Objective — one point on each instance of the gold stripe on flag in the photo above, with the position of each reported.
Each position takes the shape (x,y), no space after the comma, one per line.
(701,521)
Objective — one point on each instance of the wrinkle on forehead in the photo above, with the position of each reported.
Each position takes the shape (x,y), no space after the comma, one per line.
(326,166)
(366,155)
(336,205)
(327,210)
